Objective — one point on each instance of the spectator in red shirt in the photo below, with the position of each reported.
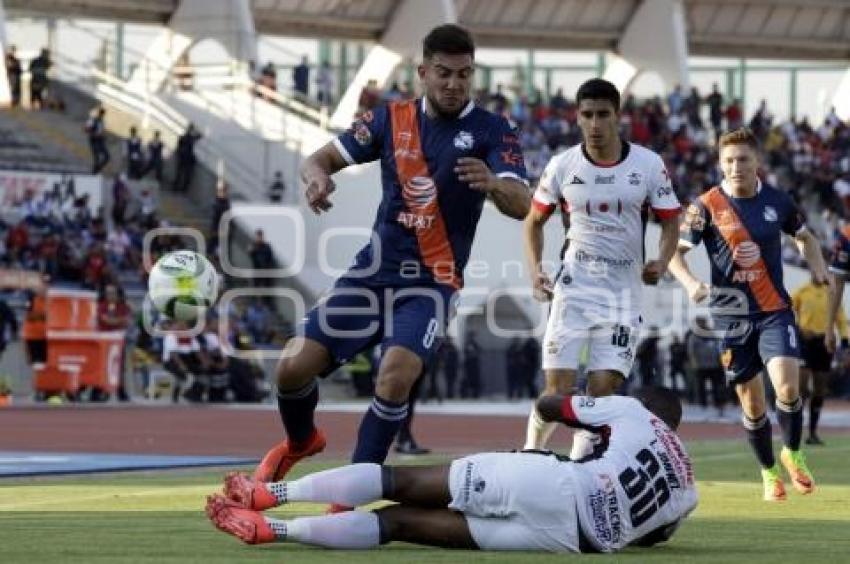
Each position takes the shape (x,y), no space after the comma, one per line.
(734,116)
(95,269)
(640,130)
(48,253)
(113,314)
(17,241)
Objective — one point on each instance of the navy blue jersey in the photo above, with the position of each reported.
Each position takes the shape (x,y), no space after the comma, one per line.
(427,218)
(743,237)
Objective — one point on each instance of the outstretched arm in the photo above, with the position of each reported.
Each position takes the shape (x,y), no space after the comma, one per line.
(316,173)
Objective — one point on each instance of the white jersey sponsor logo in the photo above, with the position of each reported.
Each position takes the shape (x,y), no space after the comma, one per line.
(605,255)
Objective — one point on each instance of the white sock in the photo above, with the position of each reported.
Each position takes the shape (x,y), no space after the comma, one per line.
(349,530)
(583,443)
(538,432)
(353,485)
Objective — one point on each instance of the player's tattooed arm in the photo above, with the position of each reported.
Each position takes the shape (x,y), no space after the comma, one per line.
(316,173)
(511,196)
(696,288)
(809,247)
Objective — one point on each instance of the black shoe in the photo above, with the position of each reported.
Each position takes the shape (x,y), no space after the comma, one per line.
(410,447)
(814,440)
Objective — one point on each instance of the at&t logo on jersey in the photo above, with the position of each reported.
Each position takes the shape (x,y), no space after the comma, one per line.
(418,193)
(746,255)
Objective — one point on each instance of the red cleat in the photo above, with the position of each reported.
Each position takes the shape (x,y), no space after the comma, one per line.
(337,508)
(248,492)
(248,526)
(280,459)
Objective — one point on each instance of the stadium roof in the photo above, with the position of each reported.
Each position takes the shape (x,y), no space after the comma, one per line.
(784,29)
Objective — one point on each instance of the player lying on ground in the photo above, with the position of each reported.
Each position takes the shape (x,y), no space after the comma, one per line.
(636,492)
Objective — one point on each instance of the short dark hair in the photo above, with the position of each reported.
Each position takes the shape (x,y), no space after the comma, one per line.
(663,402)
(599,89)
(450,39)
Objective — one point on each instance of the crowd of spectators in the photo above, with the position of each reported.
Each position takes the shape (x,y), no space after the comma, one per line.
(77,243)
(809,161)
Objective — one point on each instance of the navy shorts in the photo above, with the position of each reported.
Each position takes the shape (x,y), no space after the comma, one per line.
(750,342)
(356,315)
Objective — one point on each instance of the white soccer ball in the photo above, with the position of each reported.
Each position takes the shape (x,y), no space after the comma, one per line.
(182,285)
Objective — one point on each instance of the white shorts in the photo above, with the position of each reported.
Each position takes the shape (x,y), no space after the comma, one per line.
(611,340)
(516,501)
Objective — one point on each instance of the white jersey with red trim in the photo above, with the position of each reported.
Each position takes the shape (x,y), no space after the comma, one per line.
(642,483)
(604,258)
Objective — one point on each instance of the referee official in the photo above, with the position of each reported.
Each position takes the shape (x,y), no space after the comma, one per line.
(811,307)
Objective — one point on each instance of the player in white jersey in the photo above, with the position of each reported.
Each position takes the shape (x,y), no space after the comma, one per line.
(605,185)
(636,492)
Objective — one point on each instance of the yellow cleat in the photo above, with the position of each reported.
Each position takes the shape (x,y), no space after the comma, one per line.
(774,488)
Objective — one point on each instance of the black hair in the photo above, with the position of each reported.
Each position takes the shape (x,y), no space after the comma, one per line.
(599,89)
(663,402)
(450,39)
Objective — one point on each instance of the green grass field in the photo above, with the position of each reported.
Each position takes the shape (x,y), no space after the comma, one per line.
(158,517)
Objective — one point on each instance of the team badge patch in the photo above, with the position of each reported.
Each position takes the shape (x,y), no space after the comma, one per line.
(464,140)
(694,219)
(362,134)
(634,178)
(770,214)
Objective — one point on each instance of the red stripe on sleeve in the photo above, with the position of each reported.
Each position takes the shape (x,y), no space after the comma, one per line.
(662,213)
(567,409)
(543,208)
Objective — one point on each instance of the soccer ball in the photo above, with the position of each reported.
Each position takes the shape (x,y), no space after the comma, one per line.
(182,285)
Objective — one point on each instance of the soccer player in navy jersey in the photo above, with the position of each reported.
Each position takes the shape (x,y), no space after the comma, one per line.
(441,156)
(741,223)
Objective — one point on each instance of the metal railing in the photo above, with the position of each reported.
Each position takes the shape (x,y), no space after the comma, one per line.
(224,91)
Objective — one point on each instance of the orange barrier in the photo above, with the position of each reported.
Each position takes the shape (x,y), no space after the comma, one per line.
(77,354)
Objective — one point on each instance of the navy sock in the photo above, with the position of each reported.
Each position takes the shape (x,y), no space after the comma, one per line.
(815,406)
(759,435)
(378,430)
(790,419)
(296,411)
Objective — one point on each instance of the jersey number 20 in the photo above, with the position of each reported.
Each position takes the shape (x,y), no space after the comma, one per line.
(647,493)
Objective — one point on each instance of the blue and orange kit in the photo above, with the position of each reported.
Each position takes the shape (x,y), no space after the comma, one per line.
(427,218)
(743,237)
